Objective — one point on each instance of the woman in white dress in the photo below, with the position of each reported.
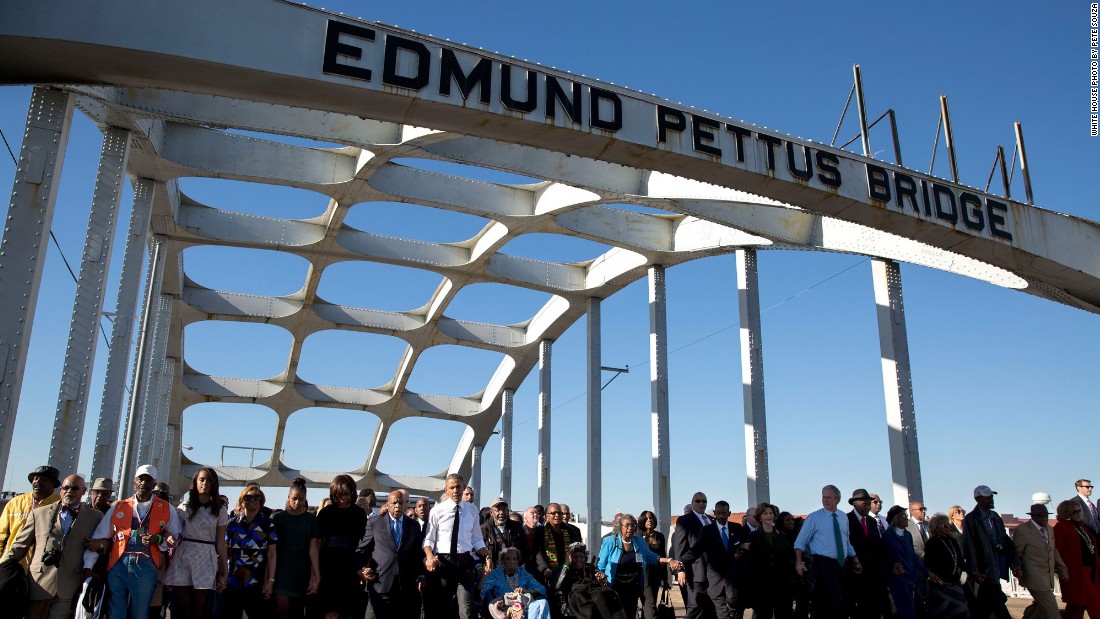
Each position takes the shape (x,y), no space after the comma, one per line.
(199,563)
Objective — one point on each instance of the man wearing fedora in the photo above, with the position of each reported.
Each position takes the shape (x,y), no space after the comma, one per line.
(134,533)
(990,554)
(44,481)
(54,539)
(1039,558)
(99,497)
(863,592)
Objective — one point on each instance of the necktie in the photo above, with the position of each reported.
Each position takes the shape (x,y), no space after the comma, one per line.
(865,531)
(841,554)
(725,538)
(1092,510)
(881,528)
(395,531)
(703,519)
(454,531)
(923,532)
(1043,532)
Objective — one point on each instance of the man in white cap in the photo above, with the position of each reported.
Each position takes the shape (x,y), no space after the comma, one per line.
(989,553)
(135,533)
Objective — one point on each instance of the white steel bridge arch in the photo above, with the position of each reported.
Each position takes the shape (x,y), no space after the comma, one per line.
(725,185)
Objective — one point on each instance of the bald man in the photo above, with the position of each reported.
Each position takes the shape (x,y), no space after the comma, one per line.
(55,535)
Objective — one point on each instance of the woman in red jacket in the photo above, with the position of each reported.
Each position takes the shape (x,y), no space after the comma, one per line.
(1077,546)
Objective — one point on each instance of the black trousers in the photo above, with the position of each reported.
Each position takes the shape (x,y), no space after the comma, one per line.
(827,599)
(454,578)
(250,600)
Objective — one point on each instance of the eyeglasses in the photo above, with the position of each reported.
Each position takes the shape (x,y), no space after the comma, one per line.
(64,488)
(252,497)
(553,513)
(1086,487)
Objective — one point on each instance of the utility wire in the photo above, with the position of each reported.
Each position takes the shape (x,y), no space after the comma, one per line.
(54,238)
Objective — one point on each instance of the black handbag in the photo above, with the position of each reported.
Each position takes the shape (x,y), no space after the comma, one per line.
(664,604)
(13,587)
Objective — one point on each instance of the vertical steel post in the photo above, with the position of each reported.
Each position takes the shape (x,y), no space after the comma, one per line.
(23,248)
(507,403)
(545,348)
(861,108)
(894,134)
(1024,170)
(1004,171)
(114,383)
(752,378)
(595,413)
(475,471)
(897,376)
(658,390)
(151,388)
(152,295)
(901,419)
(949,138)
(72,399)
(164,406)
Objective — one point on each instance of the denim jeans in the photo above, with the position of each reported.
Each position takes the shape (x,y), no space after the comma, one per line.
(132,581)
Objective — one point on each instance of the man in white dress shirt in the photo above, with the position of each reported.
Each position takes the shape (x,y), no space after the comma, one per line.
(447,552)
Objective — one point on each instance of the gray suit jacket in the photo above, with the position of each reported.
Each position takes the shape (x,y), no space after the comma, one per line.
(918,542)
(63,580)
(1040,560)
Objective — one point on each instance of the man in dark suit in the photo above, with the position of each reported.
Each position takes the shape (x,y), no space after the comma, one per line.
(990,554)
(532,544)
(391,559)
(499,532)
(693,577)
(864,592)
(1089,517)
(720,544)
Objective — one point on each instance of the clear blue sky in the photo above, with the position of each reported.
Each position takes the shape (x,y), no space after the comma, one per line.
(1004,382)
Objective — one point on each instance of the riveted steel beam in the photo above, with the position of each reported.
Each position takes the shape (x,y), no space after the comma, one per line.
(72,400)
(658,389)
(114,383)
(752,377)
(23,248)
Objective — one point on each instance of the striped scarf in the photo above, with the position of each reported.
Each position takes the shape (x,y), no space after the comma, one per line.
(550,546)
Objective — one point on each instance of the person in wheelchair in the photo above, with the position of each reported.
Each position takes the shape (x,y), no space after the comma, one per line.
(510,592)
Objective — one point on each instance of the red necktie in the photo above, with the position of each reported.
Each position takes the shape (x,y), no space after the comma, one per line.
(865,532)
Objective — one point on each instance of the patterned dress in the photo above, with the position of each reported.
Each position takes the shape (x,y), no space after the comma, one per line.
(195,559)
(247,543)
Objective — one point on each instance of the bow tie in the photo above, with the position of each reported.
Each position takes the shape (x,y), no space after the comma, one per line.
(75,511)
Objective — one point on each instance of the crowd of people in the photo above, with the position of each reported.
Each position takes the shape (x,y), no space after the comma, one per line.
(210,556)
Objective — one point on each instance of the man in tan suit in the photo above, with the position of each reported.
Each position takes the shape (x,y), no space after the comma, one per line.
(1035,544)
(56,535)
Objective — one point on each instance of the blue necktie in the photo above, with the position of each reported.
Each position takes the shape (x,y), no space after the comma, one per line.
(725,538)
(395,530)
